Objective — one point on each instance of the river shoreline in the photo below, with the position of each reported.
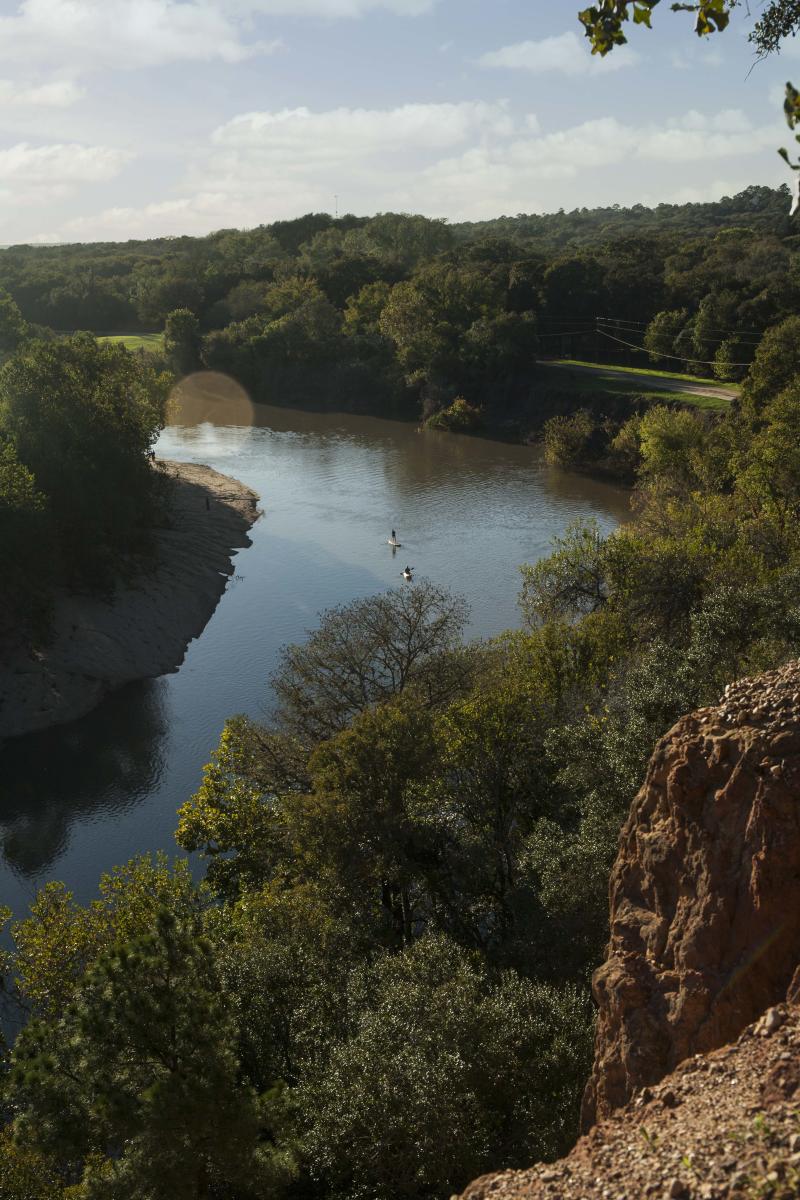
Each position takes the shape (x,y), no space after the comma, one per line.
(144,630)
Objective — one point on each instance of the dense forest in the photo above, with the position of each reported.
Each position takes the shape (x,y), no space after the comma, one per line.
(380,987)
(402,314)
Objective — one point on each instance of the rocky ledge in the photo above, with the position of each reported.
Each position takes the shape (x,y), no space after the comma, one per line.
(98,645)
(695,1090)
(724,1124)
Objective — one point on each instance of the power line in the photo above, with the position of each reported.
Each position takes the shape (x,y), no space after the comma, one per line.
(619,328)
(567,333)
(711,328)
(677,357)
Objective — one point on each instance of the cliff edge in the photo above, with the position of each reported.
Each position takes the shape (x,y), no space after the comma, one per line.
(696,1078)
(705,892)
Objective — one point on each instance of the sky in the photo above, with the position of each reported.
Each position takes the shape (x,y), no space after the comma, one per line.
(142,118)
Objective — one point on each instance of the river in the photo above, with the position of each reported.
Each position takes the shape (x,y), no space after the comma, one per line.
(82,797)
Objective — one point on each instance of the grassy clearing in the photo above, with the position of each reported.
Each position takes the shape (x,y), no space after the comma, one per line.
(136,341)
(592,385)
(701,379)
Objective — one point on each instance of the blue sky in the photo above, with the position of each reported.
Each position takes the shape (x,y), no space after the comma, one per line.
(137,118)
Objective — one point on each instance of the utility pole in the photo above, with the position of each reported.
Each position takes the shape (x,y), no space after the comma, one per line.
(336,205)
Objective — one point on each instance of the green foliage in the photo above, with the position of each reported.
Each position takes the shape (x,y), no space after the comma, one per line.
(458,417)
(671,444)
(25,1174)
(237,818)
(381,988)
(566,438)
(457,1071)
(662,331)
(60,940)
(776,364)
(82,418)
(368,652)
(142,1063)
(182,341)
(778,20)
(363,310)
(603,22)
(13,329)
(25,548)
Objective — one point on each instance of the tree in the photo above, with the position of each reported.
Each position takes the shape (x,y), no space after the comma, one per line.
(566,438)
(26,576)
(58,943)
(776,364)
(574,288)
(358,824)
(26,1174)
(13,329)
(662,331)
(240,817)
(137,1085)
(369,651)
(671,442)
(441,1074)
(363,310)
(182,341)
(82,417)
(427,317)
(572,581)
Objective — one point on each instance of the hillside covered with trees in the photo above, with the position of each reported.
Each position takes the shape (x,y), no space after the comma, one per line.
(402,314)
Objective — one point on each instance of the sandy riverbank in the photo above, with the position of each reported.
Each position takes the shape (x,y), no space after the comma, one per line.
(145,629)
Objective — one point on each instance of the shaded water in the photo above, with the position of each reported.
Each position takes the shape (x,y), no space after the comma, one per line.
(80,798)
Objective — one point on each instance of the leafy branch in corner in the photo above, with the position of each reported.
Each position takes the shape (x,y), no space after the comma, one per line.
(604,22)
(603,25)
(791,106)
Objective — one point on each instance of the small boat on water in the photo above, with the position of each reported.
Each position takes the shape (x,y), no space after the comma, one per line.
(407,573)
(394,544)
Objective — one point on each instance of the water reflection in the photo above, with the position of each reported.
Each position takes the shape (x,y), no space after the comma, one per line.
(81,798)
(108,760)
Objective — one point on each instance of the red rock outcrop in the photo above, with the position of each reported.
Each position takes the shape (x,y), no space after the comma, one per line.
(705,893)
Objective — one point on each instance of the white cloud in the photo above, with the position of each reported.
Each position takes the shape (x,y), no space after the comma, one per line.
(123,33)
(36,177)
(57,94)
(127,34)
(60,163)
(307,139)
(464,161)
(567,54)
(332,8)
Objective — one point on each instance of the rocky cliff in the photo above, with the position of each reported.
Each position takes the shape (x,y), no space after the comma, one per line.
(696,1080)
(705,893)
